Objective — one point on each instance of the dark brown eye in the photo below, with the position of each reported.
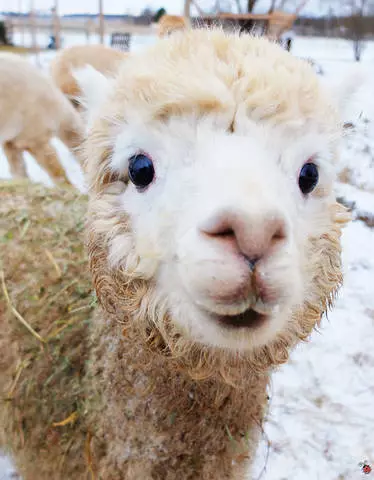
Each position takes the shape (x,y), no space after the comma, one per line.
(308,178)
(141,170)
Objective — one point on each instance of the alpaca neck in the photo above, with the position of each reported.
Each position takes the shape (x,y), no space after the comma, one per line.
(160,420)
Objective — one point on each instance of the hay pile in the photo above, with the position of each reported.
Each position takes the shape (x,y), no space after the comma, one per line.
(46,305)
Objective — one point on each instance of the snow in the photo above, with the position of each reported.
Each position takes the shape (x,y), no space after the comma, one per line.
(321,421)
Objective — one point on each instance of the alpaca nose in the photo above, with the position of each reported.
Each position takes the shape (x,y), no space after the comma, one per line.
(253,237)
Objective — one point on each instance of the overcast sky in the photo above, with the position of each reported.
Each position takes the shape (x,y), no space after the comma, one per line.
(135,6)
(83,6)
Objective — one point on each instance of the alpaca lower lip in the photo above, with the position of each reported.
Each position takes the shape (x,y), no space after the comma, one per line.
(248,319)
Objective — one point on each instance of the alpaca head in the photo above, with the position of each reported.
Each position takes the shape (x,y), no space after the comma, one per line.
(169,24)
(210,160)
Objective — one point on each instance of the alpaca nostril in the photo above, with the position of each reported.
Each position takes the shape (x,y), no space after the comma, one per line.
(223,235)
(220,226)
(279,232)
(227,232)
(221,231)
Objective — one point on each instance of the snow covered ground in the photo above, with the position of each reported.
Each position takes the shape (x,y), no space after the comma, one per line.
(321,420)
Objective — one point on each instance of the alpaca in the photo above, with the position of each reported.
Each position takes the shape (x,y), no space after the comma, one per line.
(171,23)
(33,110)
(213,250)
(104,59)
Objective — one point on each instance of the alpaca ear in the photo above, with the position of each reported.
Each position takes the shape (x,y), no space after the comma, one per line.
(94,87)
(347,93)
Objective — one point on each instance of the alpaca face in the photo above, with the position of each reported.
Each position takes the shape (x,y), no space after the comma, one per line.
(221,222)
(226,186)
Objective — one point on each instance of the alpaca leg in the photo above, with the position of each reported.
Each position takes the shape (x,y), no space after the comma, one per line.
(71,131)
(72,138)
(15,159)
(47,157)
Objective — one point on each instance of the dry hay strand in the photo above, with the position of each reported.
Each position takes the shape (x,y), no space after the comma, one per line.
(16,49)
(46,306)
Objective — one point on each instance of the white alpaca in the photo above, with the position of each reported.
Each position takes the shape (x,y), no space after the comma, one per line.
(32,111)
(214,247)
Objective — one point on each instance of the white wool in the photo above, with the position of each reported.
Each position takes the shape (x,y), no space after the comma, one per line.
(94,86)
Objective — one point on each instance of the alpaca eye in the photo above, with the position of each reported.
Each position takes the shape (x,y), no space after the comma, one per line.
(308,178)
(141,170)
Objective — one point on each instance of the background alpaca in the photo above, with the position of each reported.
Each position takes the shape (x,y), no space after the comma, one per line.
(175,380)
(171,23)
(33,111)
(104,59)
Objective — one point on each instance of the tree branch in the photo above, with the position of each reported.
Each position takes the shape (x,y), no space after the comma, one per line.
(238,6)
(251,5)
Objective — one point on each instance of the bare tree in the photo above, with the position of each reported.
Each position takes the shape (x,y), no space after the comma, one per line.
(251,5)
(358,10)
(238,6)
(278,5)
(274,5)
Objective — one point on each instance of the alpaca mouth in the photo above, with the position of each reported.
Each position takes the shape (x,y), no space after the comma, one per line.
(252,316)
(248,319)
